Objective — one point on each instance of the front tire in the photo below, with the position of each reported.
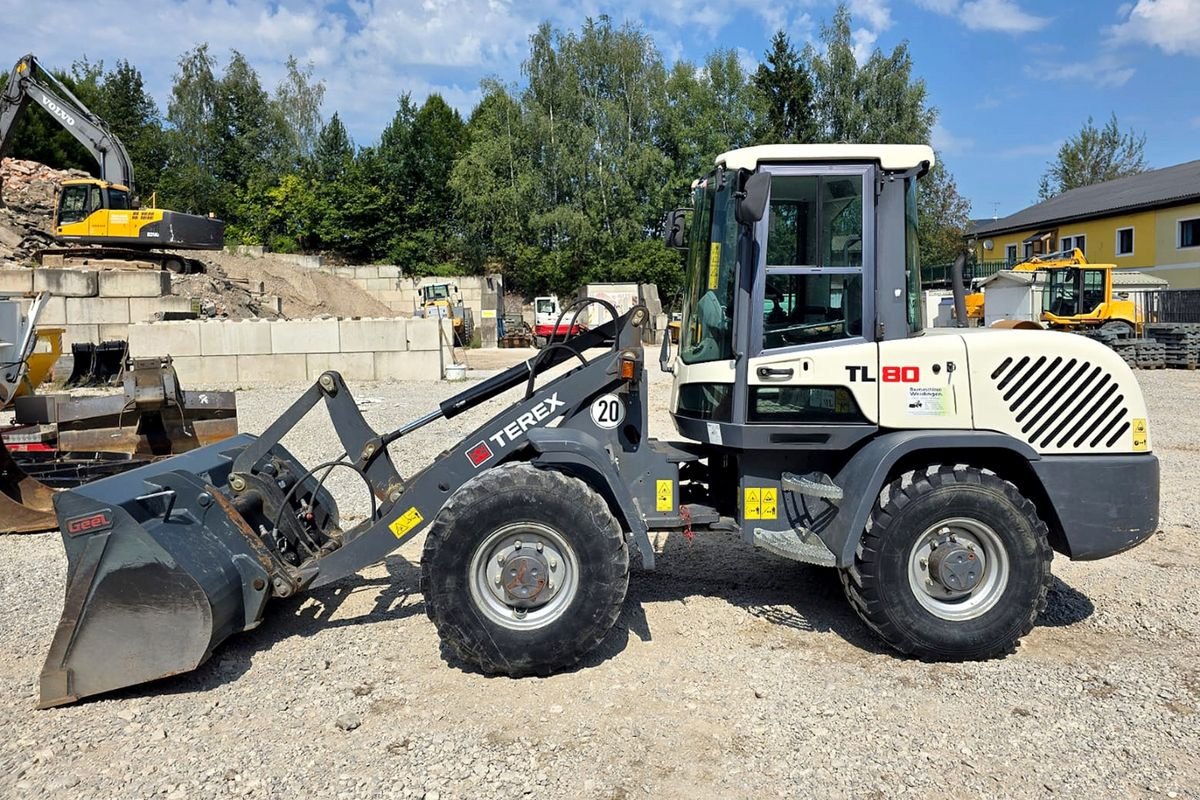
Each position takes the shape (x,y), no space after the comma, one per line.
(524,571)
(953,566)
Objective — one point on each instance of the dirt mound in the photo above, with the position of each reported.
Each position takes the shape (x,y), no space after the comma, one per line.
(305,292)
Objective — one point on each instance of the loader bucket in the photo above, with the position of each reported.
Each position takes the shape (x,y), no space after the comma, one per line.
(161,570)
(25,503)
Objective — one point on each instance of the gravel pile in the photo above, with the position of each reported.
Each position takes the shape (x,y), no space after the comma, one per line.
(730,674)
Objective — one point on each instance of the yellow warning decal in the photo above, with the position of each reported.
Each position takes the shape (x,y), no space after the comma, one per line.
(665,495)
(761,502)
(770,505)
(752,507)
(1141,436)
(714,265)
(407,521)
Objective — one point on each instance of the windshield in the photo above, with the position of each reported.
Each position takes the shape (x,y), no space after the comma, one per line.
(707,331)
(438,292)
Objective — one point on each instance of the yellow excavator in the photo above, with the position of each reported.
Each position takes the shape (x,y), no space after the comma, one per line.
(102,213)
(1078,295)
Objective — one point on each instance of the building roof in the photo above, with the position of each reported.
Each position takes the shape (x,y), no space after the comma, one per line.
(1156,188)
(890,156)
(1125,279)
(1008,276)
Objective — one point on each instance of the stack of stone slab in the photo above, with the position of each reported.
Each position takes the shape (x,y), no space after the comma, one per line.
(256,353)
(95,305)
(1181,342)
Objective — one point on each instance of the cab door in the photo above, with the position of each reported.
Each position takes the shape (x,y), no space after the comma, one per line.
(811,362)
(97,213)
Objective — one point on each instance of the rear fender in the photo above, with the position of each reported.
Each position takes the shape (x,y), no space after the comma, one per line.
(865,474)
(583,455)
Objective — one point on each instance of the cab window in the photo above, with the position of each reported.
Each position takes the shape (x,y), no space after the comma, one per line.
(118,200)
(72,207)
(1093,289)
(94,203)
(814,284)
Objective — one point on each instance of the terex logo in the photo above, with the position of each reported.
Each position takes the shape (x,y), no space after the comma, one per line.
(89,523)
(543,410)
(57,110)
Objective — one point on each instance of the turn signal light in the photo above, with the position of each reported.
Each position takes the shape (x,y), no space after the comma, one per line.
(628,366)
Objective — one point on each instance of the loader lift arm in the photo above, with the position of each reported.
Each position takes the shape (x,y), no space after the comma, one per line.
(29,82)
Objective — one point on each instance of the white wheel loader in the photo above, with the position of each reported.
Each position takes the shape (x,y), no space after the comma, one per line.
(937,473)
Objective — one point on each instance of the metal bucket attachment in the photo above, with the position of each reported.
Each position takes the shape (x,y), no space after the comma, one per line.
(161,569)
(26,505)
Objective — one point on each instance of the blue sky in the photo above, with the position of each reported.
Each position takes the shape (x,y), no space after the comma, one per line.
(1011,78)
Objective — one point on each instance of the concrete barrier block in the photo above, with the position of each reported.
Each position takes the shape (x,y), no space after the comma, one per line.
(366,273)
(346,272)
(66,282)
(423,333)
(381,284)
(305,336)
(373,335)
(409,366)
(143,309)
(389,271)
(243,338)
(206,372)
(352,366)
(97,311)
(16,281)
(114,333)
(78,334)
(135,283)
(271,370)
(54,312)
(164,339)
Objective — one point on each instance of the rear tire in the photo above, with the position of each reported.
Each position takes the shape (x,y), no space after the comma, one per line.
(990,539)
(567,535)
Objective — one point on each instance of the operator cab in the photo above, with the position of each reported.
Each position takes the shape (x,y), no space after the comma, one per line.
(785,305)
(79,199)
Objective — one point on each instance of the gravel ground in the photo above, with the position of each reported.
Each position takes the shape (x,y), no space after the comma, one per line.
(730,674)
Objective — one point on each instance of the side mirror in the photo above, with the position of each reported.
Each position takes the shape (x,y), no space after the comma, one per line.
(675,229)
(664,354)
(753,201)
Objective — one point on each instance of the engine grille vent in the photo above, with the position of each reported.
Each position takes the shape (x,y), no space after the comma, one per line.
(1062,403)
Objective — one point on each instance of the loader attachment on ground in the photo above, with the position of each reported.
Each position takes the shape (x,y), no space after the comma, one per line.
(25,503)
(161,569)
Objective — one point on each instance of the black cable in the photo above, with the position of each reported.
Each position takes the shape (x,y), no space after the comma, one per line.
(328,466)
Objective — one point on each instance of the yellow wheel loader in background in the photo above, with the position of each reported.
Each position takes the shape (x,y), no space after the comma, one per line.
(443,301)
(102,211)
(937,474)
(1078,295)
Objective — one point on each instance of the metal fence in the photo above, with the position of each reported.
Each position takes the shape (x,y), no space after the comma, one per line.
(937,276)
(1169,305)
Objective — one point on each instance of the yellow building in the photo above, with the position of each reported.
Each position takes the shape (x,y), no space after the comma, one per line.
(1149,222)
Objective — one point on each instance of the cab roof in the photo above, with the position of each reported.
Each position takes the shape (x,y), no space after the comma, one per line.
(893,157)
(95,182)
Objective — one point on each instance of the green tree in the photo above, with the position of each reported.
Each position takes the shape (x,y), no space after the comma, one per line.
(298,99)
(125,104)
(943,215)
(190,181)
(784,91)
(1094,155)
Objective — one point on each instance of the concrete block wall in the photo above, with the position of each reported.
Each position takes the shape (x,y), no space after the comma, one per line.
(95,305)
(252,353)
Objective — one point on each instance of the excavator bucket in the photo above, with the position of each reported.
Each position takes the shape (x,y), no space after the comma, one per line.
(161,569)
(25,503)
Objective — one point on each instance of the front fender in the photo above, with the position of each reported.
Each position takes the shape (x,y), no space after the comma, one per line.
(588,458)
(864,475)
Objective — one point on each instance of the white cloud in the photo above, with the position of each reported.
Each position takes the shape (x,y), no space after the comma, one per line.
(1105,70)
(1173,26)
(876,14)
(1004,16)
(946,142)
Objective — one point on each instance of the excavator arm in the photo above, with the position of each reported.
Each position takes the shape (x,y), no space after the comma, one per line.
(29,82)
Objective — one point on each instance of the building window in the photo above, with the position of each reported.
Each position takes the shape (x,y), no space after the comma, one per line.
(1124,241)
(1189,233)
(1070,243)
(1010,254)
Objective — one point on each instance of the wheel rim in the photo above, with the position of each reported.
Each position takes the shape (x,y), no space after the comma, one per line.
(958,569)
(524,576)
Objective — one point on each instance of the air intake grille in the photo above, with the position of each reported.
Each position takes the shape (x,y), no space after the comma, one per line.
(1062,403)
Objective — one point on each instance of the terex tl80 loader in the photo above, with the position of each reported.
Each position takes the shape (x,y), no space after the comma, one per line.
(937,473)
